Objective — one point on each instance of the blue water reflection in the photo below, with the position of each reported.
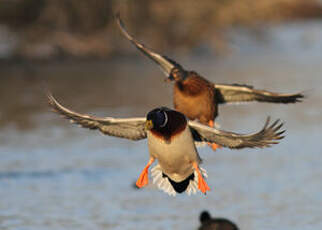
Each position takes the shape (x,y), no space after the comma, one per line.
(54,175)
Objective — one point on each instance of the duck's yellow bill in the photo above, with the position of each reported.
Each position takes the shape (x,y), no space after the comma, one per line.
(148,125)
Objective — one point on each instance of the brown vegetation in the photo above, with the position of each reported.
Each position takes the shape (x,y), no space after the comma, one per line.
(51,28)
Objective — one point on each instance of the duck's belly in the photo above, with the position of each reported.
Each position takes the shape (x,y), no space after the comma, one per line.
(176,155)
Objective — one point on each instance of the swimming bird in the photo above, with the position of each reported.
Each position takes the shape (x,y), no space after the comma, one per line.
(198,98)
(209,223)
(171,141)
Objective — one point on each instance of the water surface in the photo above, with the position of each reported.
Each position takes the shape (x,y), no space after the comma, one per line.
(54,175)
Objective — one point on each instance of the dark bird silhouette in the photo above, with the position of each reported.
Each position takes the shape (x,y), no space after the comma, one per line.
(171,141)
(208,223)
(198,98)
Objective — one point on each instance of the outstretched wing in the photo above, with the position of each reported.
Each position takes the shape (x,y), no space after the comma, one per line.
(270,134)
(165,63)
(226,93)
(130,128)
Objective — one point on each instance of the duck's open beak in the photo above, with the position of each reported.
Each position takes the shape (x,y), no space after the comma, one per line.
(148,125)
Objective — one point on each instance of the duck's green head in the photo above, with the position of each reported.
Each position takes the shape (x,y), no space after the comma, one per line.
(156,119)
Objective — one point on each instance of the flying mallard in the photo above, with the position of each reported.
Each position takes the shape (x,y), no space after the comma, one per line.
(198,98)
(171,140)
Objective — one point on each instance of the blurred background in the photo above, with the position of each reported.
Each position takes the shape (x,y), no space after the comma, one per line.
(54,175)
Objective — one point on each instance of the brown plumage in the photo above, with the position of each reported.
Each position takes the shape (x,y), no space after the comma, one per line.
(198,98)
(197,93)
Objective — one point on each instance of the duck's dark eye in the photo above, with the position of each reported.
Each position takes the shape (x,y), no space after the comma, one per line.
(177,74)
(175,71)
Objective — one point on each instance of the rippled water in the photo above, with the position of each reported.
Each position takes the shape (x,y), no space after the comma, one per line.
(54,175)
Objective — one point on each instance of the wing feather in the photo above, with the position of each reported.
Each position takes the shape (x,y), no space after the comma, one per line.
(268,135)
(229,93)
(129,128)
(166,64)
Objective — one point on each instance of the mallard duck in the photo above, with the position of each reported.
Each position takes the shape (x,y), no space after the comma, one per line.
(171,141)
(209,223)
(198,98)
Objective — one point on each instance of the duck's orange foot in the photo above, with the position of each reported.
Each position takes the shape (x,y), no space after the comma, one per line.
(214,146)
(144,176)
(202,185)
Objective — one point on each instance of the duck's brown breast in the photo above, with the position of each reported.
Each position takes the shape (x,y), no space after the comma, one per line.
(195,98)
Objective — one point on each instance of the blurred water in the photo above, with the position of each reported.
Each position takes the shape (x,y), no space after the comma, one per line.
(54,175)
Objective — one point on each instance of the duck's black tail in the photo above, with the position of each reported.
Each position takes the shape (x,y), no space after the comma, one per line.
(182,186)
(165,183)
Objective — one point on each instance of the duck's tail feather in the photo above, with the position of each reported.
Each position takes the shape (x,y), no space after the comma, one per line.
(164,183)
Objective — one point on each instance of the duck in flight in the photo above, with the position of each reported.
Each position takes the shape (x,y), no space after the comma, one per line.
(198,98)
(171,141)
